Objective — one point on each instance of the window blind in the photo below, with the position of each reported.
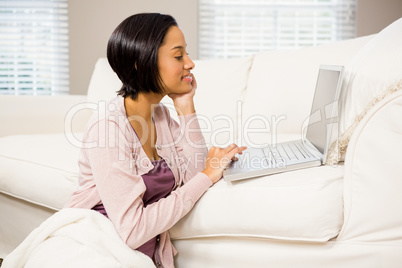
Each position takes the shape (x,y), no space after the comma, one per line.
(34,47)
(236,28)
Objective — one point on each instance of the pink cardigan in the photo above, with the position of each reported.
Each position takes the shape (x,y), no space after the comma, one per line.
(112,161)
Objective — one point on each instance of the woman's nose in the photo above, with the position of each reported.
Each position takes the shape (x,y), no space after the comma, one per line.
(189,64)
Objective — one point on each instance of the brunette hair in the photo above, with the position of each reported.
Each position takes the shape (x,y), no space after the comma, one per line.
(132,52)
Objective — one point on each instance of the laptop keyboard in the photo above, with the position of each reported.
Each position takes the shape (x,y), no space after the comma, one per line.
(283,153)
(277,156)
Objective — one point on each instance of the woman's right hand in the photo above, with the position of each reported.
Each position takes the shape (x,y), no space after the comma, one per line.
(218,159)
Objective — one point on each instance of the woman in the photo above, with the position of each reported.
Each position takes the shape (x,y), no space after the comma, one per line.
(146,172)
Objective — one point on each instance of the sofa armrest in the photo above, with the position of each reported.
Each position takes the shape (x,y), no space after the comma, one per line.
(372,180)
(42,114)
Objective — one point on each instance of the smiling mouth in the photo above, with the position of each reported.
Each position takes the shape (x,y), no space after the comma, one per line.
(188,78)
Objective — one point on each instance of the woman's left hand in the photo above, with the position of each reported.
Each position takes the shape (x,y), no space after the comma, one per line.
(183,102)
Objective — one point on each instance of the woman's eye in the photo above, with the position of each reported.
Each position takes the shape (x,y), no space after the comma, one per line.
(180,57)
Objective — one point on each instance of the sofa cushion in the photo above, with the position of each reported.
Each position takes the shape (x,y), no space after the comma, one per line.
(41,169)
(281,87)
(303,205)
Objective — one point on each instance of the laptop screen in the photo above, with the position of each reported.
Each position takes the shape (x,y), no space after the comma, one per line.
(324,111)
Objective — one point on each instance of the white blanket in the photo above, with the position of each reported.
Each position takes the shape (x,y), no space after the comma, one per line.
(75,238)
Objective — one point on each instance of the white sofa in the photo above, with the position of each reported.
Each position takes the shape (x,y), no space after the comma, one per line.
(348,214)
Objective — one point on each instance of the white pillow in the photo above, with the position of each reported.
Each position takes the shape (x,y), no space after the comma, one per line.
(371,74)
(104,82)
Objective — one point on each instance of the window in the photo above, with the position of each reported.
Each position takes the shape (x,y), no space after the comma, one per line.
(236,28)
(34,47)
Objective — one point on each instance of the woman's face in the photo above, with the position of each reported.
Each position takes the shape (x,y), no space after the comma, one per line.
(174,64)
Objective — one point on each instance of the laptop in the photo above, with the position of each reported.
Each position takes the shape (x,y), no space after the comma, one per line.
(309,151)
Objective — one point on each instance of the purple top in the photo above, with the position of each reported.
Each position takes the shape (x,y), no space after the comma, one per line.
(159,182)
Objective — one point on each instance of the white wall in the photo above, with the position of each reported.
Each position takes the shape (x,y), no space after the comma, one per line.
(374,15)
(91,22)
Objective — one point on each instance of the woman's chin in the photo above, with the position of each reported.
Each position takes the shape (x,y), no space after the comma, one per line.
(185,89)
